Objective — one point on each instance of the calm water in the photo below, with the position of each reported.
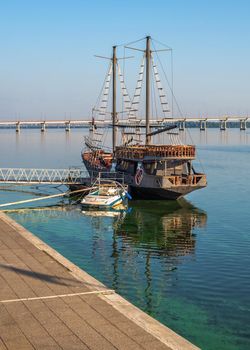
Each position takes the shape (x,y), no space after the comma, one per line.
(185,263)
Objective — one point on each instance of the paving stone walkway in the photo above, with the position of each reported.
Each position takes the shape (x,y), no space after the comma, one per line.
(48,320)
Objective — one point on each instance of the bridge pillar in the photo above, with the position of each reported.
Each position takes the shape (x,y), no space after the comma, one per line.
(18,127)
(223,124)
(182,125)
(67,126)
(243,124)
(43,127)
(203,125)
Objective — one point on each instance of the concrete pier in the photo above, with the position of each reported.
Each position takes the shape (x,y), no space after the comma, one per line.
(17,127)
(43,127)
(203,125)
(67,126)
(223,124)
(243,124)
(182,125)
(47,302)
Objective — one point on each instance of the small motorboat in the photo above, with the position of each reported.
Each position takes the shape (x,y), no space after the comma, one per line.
(106,194)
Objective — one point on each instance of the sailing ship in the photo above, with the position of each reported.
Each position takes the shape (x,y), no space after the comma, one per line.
(151,170)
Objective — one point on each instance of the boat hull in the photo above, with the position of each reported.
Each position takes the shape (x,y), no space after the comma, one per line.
(102,206)
(160,193)
(158,171)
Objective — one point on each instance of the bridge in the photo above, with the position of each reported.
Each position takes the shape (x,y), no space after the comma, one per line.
(182,122)
(26,176)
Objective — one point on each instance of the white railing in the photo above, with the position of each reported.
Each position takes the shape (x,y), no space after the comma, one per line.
(45,176)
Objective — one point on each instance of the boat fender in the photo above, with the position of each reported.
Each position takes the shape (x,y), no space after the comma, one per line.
(128,196)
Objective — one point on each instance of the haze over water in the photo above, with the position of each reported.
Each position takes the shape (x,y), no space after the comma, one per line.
(186,263)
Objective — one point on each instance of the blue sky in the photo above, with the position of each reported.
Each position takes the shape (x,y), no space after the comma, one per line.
(47,67)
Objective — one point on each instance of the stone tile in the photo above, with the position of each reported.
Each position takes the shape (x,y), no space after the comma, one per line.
(3,246)
(5,291)
(118,339)
(40,341)
(5,317)
(48,347)
(29,326)
(9,332)
(47,318)
(155,345)
(17,284)
(82,329)
(57,305)
(85,311)
(20,343)
(130,329)
(71,342)
(143,337)
(56,330)
(2,346)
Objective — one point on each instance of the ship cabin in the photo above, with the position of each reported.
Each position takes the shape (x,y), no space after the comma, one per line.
(173,162)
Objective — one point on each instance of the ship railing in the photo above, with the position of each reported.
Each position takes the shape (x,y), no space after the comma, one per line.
(191,180)
(115,176)
(166,151)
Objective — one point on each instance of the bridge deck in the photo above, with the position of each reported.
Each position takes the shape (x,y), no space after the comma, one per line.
(124,122)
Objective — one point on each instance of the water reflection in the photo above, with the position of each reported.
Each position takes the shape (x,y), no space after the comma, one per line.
(137,252)
(164,227)
(161,233)
(148,244)
(159,227)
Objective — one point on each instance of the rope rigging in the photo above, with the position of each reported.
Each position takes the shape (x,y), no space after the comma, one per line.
(134,108)
(96,137)
(124,91)
(131,106)
(174,100)
(137,94)
(162,94)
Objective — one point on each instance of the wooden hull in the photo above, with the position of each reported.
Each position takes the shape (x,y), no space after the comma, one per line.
(150,193)
(155,171)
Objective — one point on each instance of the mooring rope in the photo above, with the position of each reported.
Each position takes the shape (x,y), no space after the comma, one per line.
(47,197)
(105,291)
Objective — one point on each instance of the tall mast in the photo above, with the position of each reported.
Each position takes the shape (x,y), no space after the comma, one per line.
(148,67)
(114,113)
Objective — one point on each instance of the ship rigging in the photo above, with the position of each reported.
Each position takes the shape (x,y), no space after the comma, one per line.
(151,170)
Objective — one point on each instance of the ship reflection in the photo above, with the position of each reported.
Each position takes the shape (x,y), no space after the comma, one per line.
(162,228)
(151,234)
(165,227)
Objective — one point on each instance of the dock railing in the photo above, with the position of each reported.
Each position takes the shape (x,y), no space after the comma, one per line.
(70,176)
(45,176)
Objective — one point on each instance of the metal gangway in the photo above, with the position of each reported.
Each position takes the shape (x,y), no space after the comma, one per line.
(70,176)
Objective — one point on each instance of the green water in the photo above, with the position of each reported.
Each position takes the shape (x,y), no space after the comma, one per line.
(185,263)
